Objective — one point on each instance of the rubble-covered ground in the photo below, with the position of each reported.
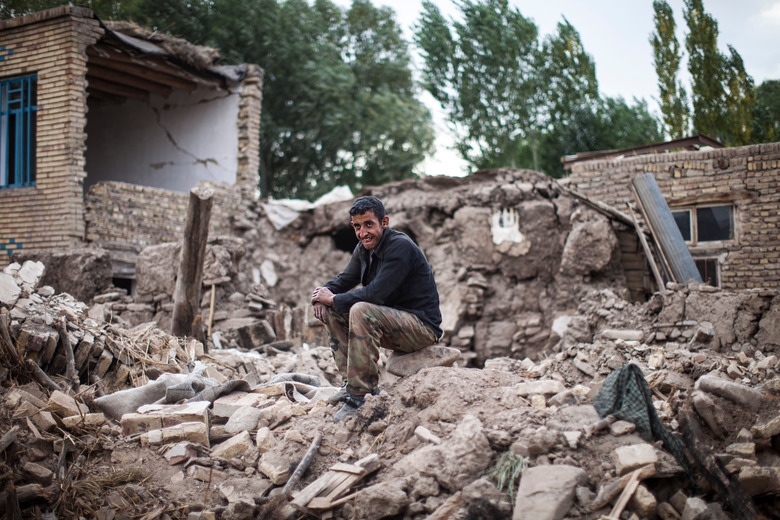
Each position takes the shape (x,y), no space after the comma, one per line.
(106,415)
(106,420)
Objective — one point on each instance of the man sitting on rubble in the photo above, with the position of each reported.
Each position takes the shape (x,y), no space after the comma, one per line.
(397,306)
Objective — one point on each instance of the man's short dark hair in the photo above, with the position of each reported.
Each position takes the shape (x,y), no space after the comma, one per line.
(365,204)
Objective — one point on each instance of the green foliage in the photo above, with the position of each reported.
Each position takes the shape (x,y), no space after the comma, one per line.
(506,471)
(339,102)
(722,93)
(667,56)
(612,124)
(706,66)
(482,75)
(766,123)
(516,101)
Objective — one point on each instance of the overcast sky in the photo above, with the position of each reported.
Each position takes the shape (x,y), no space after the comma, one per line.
(616,33)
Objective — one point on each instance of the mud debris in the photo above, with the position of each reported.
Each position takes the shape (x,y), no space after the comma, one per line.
(219,434)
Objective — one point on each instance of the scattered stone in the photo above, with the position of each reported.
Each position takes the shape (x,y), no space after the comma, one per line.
(245,418)
(233,447)
(618,428)
(64,405)
(643,502)
(759,480)
(629,458)
(425,435)
(547,492)
(402,365)
(625,335)
(767,429)
(541,387)
(738,393)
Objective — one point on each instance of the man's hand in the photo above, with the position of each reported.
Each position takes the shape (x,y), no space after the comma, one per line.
(321,298)
(320,312)
(322,295)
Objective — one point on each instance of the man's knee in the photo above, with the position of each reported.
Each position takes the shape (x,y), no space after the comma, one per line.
(359,311)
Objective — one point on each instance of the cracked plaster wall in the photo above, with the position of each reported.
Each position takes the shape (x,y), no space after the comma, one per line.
(164,143)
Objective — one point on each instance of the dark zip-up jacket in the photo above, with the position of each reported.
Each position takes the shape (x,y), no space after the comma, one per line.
(399,277)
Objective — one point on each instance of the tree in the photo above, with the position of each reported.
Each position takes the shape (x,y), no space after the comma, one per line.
(611,124)
(741,100)
(766,123)
(339,102)
(666,58)
(568,101)
(483,76)
(518,102)
(706,66)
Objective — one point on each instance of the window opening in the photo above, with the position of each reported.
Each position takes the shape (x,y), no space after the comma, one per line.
(18,97)
(705,223)
(709,270)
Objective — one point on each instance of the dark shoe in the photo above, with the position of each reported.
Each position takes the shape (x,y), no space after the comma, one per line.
(339,397)
(343,395)
(350,407)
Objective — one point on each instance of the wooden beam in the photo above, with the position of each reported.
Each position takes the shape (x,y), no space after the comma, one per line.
(116,88)
(131,80)
(186,296)
(145,68)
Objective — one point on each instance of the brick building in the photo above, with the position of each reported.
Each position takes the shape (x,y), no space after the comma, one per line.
(104,129)
(725,201)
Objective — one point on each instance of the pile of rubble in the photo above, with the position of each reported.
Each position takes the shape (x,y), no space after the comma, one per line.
(102,421)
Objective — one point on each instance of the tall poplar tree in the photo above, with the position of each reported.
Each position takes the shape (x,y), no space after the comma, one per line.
(707,68)
(667,56)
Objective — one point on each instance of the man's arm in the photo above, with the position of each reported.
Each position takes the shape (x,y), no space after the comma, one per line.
(323,296)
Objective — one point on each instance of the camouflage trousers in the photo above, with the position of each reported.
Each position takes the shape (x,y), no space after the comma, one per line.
(355,339)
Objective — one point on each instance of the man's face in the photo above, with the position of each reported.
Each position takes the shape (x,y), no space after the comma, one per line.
(369,229)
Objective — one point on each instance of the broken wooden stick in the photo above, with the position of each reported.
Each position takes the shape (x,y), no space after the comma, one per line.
(625,496)
(601,424)
(22,495)
(608,492)
(8,438)
(70,367)
(41,376)
(305,461)
(211,319)
(329,487)
(186,296)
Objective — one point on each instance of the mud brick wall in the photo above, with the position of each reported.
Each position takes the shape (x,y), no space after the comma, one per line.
(747,176)
(49,215)
(125,218)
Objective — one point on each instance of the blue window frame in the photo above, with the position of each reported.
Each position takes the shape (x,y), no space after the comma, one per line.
(18,98)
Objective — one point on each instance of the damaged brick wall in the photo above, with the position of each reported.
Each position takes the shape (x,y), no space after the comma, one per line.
(747,177)
(125,218)
(51,46)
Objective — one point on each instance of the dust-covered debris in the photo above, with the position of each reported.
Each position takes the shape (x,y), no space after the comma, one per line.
(155,426)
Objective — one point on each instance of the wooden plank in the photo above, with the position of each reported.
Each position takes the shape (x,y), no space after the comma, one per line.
(131,80)
(116,89)
(120,62)
(348,468)
(326,502)
(312,490)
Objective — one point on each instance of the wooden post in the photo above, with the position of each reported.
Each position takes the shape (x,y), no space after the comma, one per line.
(186,297)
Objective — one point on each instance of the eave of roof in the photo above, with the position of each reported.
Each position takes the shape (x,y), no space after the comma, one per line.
(687,143)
